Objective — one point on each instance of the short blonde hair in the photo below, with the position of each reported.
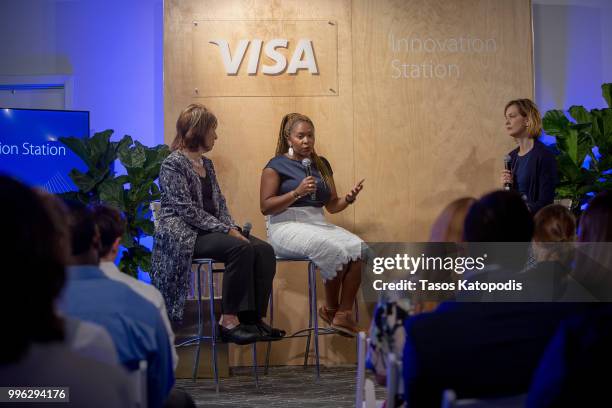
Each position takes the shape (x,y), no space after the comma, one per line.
(528,109)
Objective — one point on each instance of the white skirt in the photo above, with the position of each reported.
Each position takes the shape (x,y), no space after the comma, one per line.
(303,232)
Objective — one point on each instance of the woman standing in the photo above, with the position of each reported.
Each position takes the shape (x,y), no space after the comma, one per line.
(194,222)
(294,201)
(533,167)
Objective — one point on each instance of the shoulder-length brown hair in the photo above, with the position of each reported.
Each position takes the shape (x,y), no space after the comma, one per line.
(596,221)
(554,223)
(528,109)
(192,126)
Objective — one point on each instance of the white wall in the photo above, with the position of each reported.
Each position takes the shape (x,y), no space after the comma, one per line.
(111,49)
(573,52)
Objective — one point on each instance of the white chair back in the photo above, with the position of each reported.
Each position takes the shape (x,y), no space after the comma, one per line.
(370,396)
(139,384)
(155,207)
(394,371)
(565,202)
(365,395)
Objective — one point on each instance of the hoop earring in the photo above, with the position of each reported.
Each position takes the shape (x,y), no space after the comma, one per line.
(290,151)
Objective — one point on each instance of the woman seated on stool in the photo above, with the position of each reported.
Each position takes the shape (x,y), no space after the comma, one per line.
(297,228)
(194,222)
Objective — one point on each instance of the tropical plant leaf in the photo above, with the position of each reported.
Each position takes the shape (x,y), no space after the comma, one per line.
(123,179)
(112,193)
(155,193)
(580,114)
(127,240)
(555,123)
(140,192)
(133,157)
(83,181)
(606,91)
(128,264)
(131,193)
(566,191)
(606,126)
(100,150)
(146,226)
(79,147)
(124,144)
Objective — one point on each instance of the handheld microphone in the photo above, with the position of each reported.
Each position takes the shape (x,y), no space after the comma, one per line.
(246,230)
(307,163)
(507,160)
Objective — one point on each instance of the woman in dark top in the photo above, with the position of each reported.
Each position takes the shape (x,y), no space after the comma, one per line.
(533,167)
(194,222)
(296,226)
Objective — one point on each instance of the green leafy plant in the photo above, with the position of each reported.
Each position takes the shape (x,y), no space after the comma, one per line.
(131,193)
(588,135)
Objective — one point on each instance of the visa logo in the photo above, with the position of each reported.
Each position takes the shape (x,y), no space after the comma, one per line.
(302,57)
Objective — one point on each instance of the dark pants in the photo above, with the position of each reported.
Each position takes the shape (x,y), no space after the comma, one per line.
(249,271)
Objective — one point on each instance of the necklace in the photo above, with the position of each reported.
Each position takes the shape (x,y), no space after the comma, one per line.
(195,162)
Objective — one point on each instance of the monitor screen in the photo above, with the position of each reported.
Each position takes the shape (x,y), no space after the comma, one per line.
(30,149)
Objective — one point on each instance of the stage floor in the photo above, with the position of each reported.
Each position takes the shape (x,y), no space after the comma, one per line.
(286,386)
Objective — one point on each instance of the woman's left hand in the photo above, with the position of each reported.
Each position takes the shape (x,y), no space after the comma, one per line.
(352,195)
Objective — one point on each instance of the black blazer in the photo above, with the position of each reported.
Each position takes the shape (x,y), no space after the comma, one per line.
(542,176)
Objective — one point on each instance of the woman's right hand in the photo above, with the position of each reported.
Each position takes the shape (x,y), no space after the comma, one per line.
(236,234)
(307,186)
(506,177)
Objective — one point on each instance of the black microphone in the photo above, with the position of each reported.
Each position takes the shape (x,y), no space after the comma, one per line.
(306,163)
(246,230)
(507,160)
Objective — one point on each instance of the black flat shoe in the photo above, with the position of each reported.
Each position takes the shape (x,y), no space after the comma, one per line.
(269,333)
(241,334)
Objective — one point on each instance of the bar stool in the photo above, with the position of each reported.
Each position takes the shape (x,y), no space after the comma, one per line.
(155,207)
(213,322)
(313,318)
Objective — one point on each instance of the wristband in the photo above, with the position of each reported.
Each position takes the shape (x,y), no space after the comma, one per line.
(349,201)
(296,195)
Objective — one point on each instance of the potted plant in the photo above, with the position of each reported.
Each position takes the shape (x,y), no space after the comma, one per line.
(131,193)
(588,137)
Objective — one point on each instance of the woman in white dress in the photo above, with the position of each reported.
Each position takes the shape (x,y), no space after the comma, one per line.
(294,203)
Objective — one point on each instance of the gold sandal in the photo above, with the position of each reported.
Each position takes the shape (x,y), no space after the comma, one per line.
(327,314)
(344,323)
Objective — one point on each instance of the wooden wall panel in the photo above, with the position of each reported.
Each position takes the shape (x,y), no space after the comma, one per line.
(248,130)
(419,142)
(208,63)
(423,142)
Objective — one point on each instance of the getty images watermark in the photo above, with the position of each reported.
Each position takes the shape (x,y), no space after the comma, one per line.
(488,272)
